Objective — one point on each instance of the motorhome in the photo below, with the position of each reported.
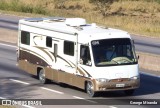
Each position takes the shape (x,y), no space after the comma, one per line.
(71,51)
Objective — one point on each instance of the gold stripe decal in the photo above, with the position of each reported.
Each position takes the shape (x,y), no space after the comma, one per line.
(82,71)
(35,54)
(47,52)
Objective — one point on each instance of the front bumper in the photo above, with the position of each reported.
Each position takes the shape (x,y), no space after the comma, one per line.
(116,84)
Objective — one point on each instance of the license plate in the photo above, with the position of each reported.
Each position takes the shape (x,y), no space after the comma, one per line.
(120,85)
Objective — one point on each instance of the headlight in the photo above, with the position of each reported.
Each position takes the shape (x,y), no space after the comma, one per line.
(134,78)
(102,80)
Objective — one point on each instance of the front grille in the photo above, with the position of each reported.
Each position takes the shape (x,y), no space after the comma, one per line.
(120,80)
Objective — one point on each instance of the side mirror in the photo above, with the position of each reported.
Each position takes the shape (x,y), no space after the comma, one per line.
(138,57)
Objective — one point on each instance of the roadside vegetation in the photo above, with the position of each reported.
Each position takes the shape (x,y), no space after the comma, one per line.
(136,16)
(6,106)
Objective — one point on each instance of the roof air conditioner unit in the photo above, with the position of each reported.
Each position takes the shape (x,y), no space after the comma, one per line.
(74,22)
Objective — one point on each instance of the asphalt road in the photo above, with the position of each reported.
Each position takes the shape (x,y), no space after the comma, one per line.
(16,84)
(143,44)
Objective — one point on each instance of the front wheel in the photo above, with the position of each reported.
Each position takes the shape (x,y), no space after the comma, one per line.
(90,89)
(42,77)
(129,92)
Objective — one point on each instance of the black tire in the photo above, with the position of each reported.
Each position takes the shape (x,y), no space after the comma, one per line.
(41,76)
(90,89)
(129,92)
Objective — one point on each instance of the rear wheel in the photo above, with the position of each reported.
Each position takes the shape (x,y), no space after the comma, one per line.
(129,92)
(90,89)
(41,76)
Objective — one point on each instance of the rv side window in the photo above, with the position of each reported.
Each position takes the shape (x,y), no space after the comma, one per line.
(69,48)
(25,37)
(48,41)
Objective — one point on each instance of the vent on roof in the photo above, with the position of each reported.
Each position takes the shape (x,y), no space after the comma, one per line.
(74,22)
(45,19)
(55,18)
(34,19)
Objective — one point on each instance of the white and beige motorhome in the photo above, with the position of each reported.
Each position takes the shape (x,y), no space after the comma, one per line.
(70,51)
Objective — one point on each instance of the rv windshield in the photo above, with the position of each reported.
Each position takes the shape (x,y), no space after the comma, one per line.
(113,52)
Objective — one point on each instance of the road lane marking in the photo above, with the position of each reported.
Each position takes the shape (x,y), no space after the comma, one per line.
(55,91)
(2,98)
(8,45)
(28,106)
(84,99)
(19,81)
(78,97)
(112,107)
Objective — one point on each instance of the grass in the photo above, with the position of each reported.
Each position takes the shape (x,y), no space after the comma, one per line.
(136,16)
(20,6)
(6,106)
